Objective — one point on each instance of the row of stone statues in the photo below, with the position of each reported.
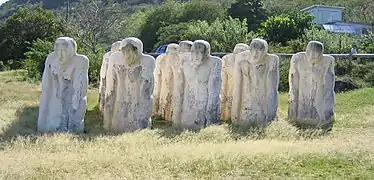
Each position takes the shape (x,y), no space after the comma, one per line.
(185,85)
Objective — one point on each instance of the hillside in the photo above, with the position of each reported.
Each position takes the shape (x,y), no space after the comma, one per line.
(7,8)
(355,10)
(221,152)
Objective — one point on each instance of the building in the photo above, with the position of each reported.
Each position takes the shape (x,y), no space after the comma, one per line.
(331,19)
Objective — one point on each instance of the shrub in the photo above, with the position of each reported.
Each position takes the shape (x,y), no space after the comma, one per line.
(35,58)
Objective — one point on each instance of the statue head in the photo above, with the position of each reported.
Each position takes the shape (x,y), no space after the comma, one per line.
(65,48)
(172,49)
(258,50)
(200,52)
(132,50)
(185,46)
(240,48)
(314,50)
(115,46)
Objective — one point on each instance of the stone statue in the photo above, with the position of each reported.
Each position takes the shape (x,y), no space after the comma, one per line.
(312,80)
(256,80)
(228,63)
(130,83)
(163,92)
(184,56)
(201,89)
(103,70)
(64,88)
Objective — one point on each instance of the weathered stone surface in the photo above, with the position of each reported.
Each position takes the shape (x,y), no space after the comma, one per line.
(130,83)
(164,82)
(202,85)
(256,80)
(64,89)
(228,63)
(184,56)
(103,71)
(312,80)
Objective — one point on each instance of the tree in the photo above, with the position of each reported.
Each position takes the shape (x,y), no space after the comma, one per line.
(252,10)
(173,12)
(94,22)
(286,27)
(222,34)
(278,29)
(23,28)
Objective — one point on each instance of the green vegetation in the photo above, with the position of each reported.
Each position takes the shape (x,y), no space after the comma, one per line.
(27,34)
(279,151)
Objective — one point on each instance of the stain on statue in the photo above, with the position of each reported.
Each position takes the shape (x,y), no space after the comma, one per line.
(64,89)
(130,83)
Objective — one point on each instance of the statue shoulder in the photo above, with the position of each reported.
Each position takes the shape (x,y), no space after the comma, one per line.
(215,61)
(328,59)
(159,57)
(51,57)
(227,57)
(83,60)
(273,60)
(298,56)
(148,61)
(273,57)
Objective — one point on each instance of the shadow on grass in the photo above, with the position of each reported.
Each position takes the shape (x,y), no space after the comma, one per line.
(26,125)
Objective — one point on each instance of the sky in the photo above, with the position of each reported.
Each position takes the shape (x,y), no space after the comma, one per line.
(3,1)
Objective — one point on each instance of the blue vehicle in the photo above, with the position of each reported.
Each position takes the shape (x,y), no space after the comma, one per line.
(161,49)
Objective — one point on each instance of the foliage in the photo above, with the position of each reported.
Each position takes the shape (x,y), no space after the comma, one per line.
(35,58)
(366,43)
(172,33)
(338,43)
(284,67)
(286,27)
(23,28)
(173,13)
(278,29)
(223,35)
(95,60)
(131,25)
(252,10)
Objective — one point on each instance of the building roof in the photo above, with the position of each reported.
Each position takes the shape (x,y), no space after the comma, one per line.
(339,28)
(323,6)
(347,22)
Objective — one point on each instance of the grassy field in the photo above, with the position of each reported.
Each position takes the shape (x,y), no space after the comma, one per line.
(280,151)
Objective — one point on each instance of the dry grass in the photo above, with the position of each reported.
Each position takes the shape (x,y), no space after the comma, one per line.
(220,152)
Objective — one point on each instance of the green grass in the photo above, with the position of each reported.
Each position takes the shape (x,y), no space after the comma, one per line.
(219,152)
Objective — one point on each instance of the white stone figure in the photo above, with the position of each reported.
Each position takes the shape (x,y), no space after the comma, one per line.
(312,81)
(202,86)
(103,70)
(64,89)
(163,92)
(184,56)
(228,63)
(130,83)
(256,80)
